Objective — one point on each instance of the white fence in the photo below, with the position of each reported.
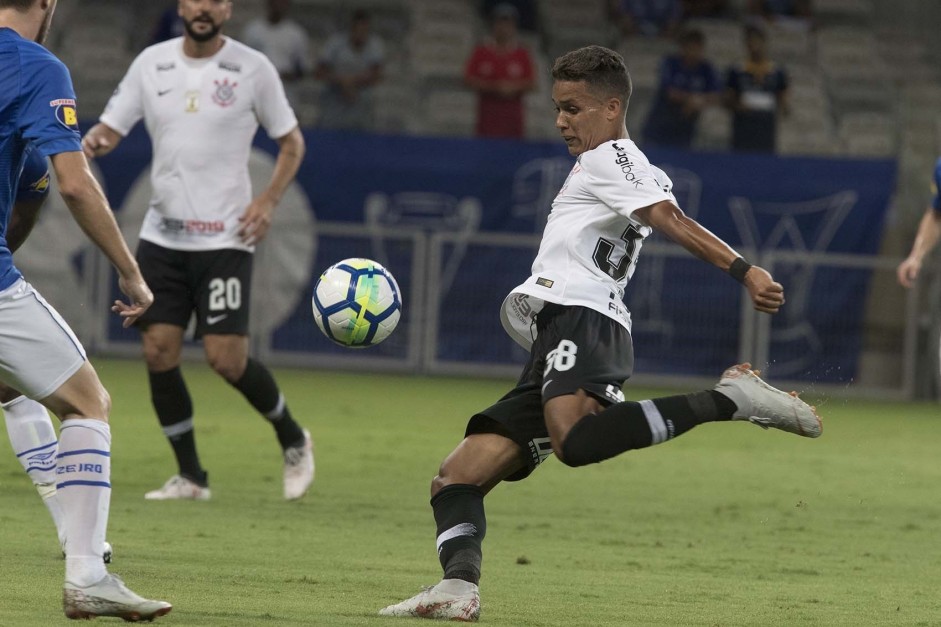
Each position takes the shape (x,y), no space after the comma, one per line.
(453,285)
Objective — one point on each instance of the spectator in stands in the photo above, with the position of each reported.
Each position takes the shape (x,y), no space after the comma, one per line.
(284,41)
(651,18)
(688,84)
(780,9)
(528,15)
(705,8)
(500,70)
(351,64)
(168,26)
(756,93)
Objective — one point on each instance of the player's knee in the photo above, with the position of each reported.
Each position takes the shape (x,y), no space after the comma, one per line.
(158,356)
(229,369)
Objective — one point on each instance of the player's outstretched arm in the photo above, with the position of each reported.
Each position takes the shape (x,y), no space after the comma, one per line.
(929,231)
(256,220)
(100,140)
(767,295)
(88,205)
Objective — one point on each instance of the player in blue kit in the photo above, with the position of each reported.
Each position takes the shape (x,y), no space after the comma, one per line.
(929,231)
(39,354)
(29,427)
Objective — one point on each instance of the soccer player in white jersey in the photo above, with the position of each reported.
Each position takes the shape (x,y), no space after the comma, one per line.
(202,97)
(40,355)
(571,316)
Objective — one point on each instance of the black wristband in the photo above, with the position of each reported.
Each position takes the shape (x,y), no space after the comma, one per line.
(738,269)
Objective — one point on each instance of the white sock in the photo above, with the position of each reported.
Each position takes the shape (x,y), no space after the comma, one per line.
(34,442)
(84,487)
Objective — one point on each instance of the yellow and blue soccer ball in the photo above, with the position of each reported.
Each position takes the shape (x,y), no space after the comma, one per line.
(357,303)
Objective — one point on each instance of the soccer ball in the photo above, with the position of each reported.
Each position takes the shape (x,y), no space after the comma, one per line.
(357,303)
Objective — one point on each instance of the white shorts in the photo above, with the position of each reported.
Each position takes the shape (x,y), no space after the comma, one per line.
(38,351)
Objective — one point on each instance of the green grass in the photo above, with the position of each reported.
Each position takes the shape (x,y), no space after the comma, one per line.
(729,525)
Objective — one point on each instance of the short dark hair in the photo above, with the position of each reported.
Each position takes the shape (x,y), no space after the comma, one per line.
(601,68)
(360,15)
(19,5)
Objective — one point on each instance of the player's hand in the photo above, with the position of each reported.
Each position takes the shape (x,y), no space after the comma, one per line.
(96,143)
(908,271)
(256,220)
(767,295)
(135,288)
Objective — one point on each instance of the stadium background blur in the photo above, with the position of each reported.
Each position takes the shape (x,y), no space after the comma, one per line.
(864,91)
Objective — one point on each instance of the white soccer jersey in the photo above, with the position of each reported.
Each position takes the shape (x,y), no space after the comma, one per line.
(591,242)
(202,115)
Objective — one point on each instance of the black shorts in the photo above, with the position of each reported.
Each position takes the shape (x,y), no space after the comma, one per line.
(216,284)
(576,348)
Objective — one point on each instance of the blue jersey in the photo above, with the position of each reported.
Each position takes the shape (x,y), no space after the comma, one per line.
(34,180)
(37,110)
(935,186)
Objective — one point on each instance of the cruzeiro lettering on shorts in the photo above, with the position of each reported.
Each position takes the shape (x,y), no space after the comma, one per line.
(561,358)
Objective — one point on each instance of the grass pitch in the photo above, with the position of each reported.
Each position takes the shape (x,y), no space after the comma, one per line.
(728,525)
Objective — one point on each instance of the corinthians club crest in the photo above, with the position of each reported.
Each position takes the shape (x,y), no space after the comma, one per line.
(225,93)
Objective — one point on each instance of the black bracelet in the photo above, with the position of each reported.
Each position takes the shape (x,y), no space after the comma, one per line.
(738,269)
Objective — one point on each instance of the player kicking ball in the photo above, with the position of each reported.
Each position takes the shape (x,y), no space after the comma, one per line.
(570,315)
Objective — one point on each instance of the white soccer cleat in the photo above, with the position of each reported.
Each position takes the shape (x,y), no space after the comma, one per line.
(767,406)
(179,488)
(298,468)
(110,597)
(451,599)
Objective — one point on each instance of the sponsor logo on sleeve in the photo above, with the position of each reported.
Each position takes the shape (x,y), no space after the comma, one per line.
(40,186)
(545,282)
(624,162)
(65,112)
(166,67)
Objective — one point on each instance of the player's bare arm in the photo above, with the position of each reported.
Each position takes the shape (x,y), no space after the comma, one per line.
(88,205)
(766,294)
(256,220)
(929,231)
(100,140)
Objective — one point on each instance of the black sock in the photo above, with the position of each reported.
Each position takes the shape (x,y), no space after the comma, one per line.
(259,388)
(629,425)
(459,512)
(174,409)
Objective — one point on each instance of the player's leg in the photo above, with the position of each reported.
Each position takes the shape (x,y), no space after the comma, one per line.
(44,359)
(36,445)
(505,442)
(584,433)
(167,273)
(223,308)
(472,469)
(162,347)
(84,489)
(588,356)
(228,356)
